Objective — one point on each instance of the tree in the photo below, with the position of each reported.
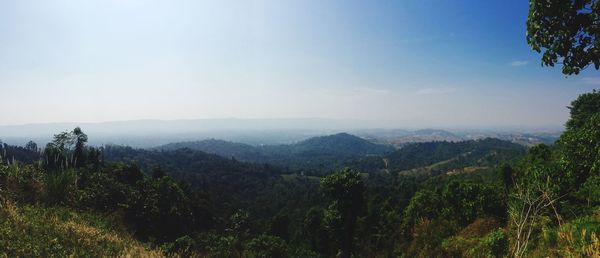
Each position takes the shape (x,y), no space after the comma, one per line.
(265,246)
(80,139)
(580,149)
(158,172)
(314,230)
(346,190)
(161,210)
(566,32)
(67,149)
(583,108)
(31,146)
(535,193)
(57,151)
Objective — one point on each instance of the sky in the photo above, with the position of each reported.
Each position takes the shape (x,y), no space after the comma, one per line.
(406,64)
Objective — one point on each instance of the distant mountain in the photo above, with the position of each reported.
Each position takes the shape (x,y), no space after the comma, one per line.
(401,138)
(434,132)
(315,155)
(151,133)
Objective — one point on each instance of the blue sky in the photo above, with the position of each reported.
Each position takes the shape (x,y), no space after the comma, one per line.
(432,63)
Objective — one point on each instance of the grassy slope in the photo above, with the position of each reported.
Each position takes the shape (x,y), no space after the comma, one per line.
(37,231)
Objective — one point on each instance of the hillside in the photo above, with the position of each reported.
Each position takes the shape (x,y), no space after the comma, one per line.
(339,144)
(317,155)
(439,157)
(222,148)
(428,200)
(400,138)
(38,231)
(227,180)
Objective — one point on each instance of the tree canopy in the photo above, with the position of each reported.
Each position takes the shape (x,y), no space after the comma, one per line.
(566,32)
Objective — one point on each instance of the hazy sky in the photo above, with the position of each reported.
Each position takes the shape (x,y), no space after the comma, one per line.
(403,63)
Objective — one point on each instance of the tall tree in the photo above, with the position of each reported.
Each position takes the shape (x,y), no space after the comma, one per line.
(566,31)
(66,149)
(583,108)
(57,151)
(80,138)
(346,190)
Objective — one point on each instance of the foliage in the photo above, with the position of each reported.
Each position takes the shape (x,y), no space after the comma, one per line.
(346,190)
(554,185)
(315,156)
(582,109)
(566,32)
(160,209)
(60,187)
(68,150)
(27,155)
(497,242)
(265,246)
(21,183)
(195,204)
(486,152)
(535,194)
(581,237)
(457,200)
(494,244)
(580,151)
(37,231)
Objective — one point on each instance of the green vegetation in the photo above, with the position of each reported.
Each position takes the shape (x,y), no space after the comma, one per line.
(442,157)
(315,156)
(38,231)
(566,31)
(485,198)
(34,224)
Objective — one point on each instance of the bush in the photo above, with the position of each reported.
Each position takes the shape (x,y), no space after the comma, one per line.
(218,246)
(60,187)
(21,183)
(496,242)
(35,231)
(183,246)
(265,246)
(104,193)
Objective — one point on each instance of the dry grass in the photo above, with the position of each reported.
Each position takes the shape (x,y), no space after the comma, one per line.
(38,231)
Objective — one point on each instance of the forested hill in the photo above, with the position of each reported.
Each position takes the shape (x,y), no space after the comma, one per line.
(414,207)
(227,180)
(337,144)
(318,155)
(435,199)
(444,156)
(222,148)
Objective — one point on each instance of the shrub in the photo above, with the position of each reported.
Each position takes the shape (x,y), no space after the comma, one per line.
(496,242)
(265,246)
(60,187)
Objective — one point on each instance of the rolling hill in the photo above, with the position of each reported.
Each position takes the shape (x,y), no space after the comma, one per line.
(317,155)
(439,157)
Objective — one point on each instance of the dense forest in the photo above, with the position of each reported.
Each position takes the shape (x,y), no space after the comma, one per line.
(315,156)
(330,196)
(484,198)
